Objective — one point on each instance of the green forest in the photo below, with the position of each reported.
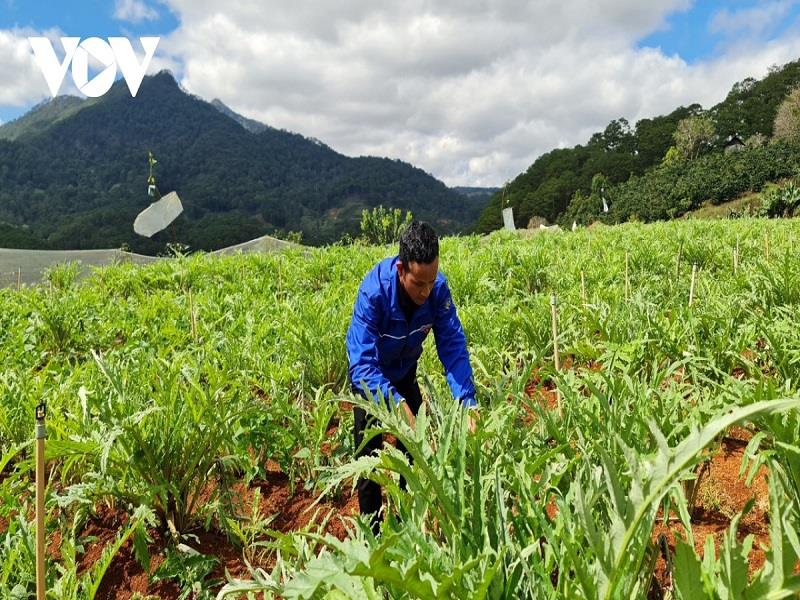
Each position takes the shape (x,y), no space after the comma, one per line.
(641,172)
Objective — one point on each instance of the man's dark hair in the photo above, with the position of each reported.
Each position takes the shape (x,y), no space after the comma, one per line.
(418,243)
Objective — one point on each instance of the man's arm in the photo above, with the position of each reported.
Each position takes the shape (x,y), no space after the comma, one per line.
(451,344)
(362,350)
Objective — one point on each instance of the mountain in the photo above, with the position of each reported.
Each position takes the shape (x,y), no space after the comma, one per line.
(250,125)
(624,152)
(476,198)
(74,176)
(476,192)
(41,117)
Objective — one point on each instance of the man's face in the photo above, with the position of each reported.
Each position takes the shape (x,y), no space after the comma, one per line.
(417,279)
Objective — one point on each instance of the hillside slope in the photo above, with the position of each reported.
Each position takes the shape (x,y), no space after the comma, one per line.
(78,181)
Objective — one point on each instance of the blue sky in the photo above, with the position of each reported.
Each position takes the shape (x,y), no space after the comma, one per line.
(84,18)
(709,27)
(471,92)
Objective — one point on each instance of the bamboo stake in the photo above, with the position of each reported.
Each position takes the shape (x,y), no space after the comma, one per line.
(691,287)
(583,288)
(627,280)
(41,434)
(194,318)
(19,278)
(554,312)
(280,283)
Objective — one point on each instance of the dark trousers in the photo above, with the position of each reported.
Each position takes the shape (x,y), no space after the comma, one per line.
(370,498)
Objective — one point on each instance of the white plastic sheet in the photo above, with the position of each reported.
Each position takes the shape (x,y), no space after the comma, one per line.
(158,215)
(508,218)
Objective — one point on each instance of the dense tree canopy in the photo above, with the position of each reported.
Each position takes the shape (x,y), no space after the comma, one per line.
(622,152)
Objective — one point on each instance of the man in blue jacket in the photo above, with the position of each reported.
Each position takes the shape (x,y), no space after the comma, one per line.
(399,302)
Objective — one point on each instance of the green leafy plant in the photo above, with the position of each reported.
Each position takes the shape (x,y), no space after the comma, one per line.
(383,226)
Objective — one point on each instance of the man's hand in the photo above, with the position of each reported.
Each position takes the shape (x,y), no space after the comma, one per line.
(472,418)
(405,410)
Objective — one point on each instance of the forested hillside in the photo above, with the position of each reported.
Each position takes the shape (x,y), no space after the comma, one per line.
(624,151)
(73,175)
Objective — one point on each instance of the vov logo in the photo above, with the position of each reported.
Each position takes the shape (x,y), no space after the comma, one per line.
(117,52)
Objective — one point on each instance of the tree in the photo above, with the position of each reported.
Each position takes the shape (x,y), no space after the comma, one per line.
(383,226)
(787,119)
(617,137)
(693,135)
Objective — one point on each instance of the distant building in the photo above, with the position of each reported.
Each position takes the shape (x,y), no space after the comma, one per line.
(733,144)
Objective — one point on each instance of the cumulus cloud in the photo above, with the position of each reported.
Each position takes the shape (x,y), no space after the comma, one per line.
(23,82)
(134,11)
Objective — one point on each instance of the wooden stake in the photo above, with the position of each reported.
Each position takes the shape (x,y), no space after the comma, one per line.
(41,434)
(554,312)
(19,278)
(691,287)
(627,280)
(194,319)
(583,288)
(280,283)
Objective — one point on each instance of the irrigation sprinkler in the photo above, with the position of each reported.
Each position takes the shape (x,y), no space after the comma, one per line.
(41,434)
(554,313)
(691,287)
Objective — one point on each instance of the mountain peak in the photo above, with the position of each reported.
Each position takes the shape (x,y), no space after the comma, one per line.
(250,125)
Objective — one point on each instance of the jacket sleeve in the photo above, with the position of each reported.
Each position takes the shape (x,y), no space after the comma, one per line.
(451,344)
(362,350)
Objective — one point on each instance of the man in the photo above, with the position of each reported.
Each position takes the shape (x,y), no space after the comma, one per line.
(400,300)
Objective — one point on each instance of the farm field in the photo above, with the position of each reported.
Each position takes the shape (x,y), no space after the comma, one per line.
(199,425)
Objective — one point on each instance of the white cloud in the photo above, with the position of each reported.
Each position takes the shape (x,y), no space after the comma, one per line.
(23,82)
(134,11)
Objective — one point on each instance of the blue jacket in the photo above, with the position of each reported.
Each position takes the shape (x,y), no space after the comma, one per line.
(383,346)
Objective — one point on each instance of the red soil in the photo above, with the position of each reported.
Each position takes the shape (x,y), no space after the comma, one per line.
(721,495)
(126,576)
